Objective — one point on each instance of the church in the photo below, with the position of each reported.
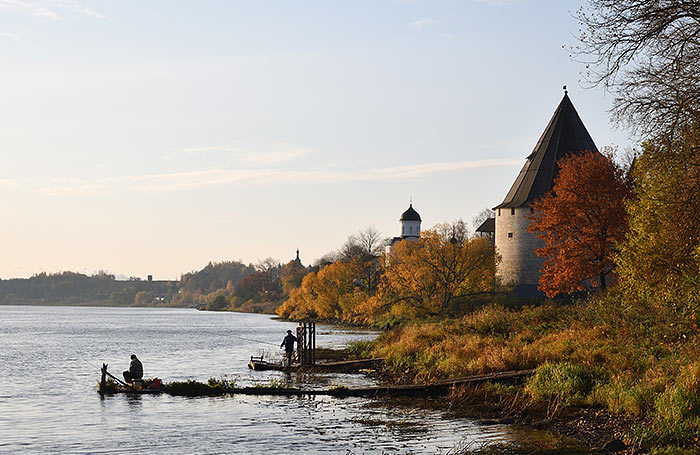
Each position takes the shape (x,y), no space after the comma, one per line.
(409,223)
(409,226)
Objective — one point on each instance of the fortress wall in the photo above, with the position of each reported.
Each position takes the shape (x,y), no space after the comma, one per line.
(519,263)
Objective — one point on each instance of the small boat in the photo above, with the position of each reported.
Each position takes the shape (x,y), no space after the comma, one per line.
(258,364)
(343,366)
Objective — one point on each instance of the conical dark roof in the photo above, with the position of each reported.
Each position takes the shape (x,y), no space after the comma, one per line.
(565,134)
(410,215)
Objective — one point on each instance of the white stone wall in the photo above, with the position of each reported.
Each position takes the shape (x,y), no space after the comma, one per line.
(410,228)
(519,263)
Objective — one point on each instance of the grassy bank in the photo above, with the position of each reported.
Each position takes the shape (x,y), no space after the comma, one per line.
(640,363)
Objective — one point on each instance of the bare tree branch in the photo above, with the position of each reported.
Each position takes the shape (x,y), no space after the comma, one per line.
(647,53)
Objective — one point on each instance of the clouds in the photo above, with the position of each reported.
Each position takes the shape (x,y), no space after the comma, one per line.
(422,23)
(497,2)
(265,176)
(50,9)
(9,36)
(255,154)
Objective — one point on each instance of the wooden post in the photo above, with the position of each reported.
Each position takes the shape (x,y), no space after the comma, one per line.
(306,343)
(313,343)
(103,381)
(300,344)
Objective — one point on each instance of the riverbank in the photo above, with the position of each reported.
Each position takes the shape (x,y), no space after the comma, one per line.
(604,372)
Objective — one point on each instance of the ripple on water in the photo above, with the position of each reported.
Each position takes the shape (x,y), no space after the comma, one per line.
(51,357)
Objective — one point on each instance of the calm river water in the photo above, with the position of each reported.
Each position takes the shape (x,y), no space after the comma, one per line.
(49,368)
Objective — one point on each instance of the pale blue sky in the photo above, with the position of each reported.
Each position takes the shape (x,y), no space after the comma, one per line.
(150,137)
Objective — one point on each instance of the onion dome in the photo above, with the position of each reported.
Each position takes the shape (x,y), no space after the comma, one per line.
(410,215)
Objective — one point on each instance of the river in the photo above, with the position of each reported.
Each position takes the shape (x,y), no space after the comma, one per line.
(49,368)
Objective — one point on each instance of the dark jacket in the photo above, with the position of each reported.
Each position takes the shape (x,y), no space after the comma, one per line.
(136,369)
(288,342)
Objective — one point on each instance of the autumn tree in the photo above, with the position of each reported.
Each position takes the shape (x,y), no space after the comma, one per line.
(434,274)
(580,222)
(333,292)
(660,260)
(263,285)
(143,298)
(648,55)
(291,276)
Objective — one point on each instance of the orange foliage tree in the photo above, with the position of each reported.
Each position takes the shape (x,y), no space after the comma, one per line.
(333,292)
(580,222)
(433,275)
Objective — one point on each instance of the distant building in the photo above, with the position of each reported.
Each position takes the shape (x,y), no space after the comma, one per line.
(520,266)
(487,229)
(409,223)
(297,261)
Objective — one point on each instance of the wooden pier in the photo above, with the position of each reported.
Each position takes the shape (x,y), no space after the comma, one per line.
(420,390)
(343,366)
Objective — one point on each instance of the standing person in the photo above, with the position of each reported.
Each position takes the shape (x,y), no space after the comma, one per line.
(135,370)
(288,344)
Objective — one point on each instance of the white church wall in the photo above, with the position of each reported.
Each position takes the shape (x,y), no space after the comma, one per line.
(410,228)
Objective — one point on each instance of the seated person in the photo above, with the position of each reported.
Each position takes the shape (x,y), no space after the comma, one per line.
(135,370)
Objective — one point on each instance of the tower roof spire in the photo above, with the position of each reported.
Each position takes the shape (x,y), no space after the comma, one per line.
(565,134)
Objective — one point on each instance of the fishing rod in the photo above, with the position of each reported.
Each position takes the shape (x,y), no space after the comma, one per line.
(116,379)
(91,364)
(256,341)
(107,372)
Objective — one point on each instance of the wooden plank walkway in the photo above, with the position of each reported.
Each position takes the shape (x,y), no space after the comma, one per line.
(337,366)
(419,390)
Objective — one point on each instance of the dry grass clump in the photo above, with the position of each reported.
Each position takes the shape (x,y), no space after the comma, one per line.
(492,339)
(639,361)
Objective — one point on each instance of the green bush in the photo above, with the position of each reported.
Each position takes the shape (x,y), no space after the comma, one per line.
(222,383)
(567,382)
(623,396)
(220,303)
(190,388)
(361,349)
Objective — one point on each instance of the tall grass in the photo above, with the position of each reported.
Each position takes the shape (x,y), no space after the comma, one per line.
(633,360)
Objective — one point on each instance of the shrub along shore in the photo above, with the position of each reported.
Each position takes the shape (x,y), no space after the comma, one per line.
(635,368)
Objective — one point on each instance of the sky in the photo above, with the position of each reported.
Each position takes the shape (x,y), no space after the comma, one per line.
(150,137)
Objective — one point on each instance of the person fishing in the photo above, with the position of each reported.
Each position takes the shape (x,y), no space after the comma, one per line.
(135,370)
(288,344)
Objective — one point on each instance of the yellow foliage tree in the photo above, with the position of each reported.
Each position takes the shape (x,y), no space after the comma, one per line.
(433,275)
(333,292)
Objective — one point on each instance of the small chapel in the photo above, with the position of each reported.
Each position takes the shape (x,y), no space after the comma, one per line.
(409,225)
(519,266)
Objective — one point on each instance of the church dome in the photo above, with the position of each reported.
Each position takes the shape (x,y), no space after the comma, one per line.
(410,215)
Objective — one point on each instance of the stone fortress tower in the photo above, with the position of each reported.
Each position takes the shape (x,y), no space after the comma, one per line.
(520,266)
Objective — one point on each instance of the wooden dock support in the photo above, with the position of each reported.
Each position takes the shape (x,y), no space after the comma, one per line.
(103,380)
(306,343)
(438,388)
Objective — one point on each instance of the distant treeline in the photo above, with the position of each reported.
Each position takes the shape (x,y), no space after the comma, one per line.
(194,289)
(69,288)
